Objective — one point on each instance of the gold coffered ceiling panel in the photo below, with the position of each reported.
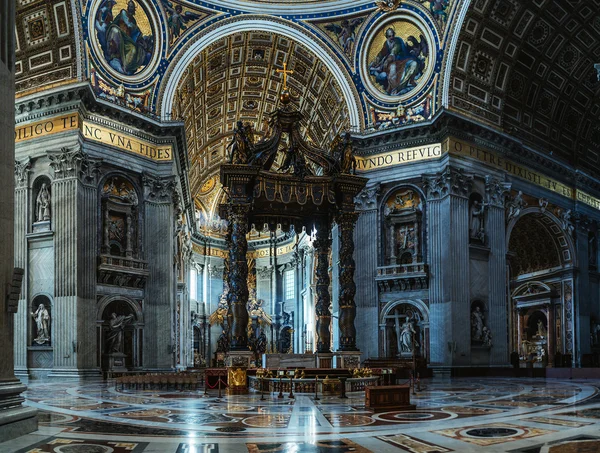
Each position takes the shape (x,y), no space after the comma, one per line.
(235,79)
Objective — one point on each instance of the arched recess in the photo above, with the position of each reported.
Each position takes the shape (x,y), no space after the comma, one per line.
(132,331)
(41,203)
(392,319)
(251,23)
(541,259)
(402,219)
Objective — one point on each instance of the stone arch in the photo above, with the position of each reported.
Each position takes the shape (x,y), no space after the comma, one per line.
(107,300)
(248,23)
(132,334)
(388,327)
(551,228)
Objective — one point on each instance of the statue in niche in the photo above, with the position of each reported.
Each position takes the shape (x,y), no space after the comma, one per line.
(477,326)
(42,204)
(477,227)
(42,321)
(487,337)
(114,339)
(595,334)
(407,333)
(541,330)
(515,206)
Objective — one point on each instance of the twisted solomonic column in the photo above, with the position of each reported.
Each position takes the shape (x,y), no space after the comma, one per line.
(346,222)
(238,276)
(322,247)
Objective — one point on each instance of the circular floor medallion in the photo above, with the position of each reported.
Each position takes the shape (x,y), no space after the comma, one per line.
(492,432)
(83,448)
(231,429)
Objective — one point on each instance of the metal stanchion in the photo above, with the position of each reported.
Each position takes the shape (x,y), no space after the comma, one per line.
(262,380)
(280,388)
(291,395)
(343,387)
(317,388)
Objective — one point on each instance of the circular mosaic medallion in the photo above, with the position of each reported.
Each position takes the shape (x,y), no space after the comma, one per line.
(208,185)
(125,38)
(492,432)
(413,416)
(398,58)
(83,448)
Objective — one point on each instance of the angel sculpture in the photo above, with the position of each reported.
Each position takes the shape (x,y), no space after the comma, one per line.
(220,315)
(178,19)
(345,32)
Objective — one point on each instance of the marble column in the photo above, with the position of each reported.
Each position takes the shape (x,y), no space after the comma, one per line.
(551,335)
(322,246)
(346,222)
(448,226)
(15,419)
(366,240)
(496,192)
(22,221)
(158,243)
(238,276)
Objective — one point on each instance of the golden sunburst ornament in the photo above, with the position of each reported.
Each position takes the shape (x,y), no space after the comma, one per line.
(389,5)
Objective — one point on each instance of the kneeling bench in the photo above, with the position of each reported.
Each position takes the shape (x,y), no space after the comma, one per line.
(388,398)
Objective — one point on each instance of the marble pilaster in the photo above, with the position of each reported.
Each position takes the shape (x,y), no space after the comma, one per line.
(366,239)
(22,172)
(498,314)
(448,223)
(158,241)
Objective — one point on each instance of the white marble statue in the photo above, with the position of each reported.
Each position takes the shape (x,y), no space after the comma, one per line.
(487,337)
(42,321)
(42,204)
(406,337)
(477,216)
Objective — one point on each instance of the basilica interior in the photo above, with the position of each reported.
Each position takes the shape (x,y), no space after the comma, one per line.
(299,226)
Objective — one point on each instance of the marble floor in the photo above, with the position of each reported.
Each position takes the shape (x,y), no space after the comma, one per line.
(458,415)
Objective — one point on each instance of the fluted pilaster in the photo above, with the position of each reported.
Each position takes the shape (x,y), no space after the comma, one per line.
(496,192)
(366,240)
(22,171)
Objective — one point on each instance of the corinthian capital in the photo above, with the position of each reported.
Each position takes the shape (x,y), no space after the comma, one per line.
(74,164)
(496,191)
(451,181)
(22,169)
(366,200)
(159,189)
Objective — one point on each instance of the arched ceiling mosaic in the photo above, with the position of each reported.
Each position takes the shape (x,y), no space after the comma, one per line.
(236,79)
(528,68)
(47,44)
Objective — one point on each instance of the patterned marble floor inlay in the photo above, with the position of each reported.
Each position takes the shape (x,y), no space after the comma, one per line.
(457,415)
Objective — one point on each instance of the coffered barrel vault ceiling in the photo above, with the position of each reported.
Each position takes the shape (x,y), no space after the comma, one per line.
(528,68)
(47,45)
(236,79)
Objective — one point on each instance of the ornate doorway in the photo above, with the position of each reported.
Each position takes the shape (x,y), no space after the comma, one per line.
(404,327)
